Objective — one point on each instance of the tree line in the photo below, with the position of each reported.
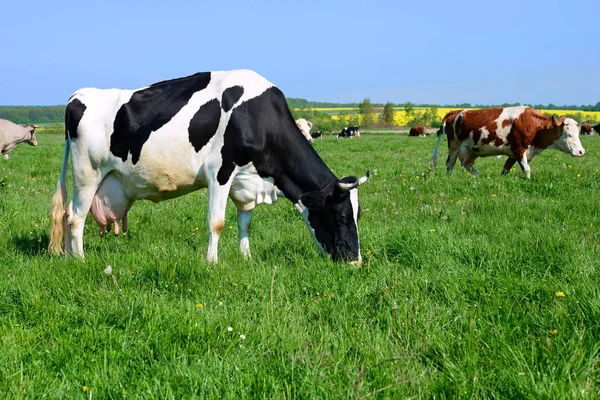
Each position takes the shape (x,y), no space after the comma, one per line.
(302,103)
(33,114)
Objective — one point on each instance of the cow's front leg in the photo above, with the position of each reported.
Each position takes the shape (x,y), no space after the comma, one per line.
(244,218)
(525,166)
(508,165)
(217,201)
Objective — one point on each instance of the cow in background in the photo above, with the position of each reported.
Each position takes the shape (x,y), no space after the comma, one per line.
(349,132)
(587,130)
(12,134)
(229,131)
(305,127)
(417,131)
(596,128)
(317,135)
(518,132)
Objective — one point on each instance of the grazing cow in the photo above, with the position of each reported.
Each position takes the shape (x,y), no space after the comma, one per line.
(305,127)
(417,131)
(12,134)
(318,135)
(229,131)
(518,132)
(349,132)
(596,128)
(587,130)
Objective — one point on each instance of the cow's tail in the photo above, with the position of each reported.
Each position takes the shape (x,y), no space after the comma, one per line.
(57,229)
(440,133)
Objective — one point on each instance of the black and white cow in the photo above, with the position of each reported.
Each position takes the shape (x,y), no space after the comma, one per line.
(349,131)
(229,131)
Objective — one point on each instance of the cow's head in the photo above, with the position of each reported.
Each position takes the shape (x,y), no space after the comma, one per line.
(332,216)
(30,135)
(569,141)
(305,127)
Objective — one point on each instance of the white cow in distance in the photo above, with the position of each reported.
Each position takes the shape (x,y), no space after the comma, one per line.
(12,134)
(305,127)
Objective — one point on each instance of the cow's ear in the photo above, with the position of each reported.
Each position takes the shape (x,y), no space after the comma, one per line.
(314,200)
(558,121)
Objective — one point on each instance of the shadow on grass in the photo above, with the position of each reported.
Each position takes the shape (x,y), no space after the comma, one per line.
(33,244)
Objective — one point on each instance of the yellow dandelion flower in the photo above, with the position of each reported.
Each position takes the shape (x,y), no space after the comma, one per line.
(85,388)
(493,194)
(560,294)
(554,331)
(432,230)
(579,175)
(200,305)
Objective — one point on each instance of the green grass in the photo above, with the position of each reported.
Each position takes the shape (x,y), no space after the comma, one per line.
(456,297)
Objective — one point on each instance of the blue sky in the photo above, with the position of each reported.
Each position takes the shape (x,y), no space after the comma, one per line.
(480,52)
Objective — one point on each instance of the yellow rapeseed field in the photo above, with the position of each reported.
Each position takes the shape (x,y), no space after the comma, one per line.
(400,118)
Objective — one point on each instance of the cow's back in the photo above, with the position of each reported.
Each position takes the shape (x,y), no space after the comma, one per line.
(162,140)
(9,131)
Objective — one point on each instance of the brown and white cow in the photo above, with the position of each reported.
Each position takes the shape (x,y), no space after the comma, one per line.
(305,127)
(521,133)
(587,130)
(417,131)
(12,134)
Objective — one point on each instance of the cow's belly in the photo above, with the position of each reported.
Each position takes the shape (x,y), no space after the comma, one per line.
(164,176)
(161,182)
(491,150)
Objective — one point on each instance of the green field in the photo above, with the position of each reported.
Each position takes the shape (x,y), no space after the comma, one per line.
(482,287)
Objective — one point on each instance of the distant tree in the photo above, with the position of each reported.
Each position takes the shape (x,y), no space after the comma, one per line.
(431,117)
(578,116)
(366,110)
(409,109)
(387,116)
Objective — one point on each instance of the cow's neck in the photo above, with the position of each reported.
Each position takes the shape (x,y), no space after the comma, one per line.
(295,166)
(547,132)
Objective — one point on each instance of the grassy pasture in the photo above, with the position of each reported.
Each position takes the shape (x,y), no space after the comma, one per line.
(470,288)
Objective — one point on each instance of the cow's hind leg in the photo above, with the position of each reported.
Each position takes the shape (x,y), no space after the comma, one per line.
(244,218)
(453,151)
(217,201)
(77,212)
(467,159)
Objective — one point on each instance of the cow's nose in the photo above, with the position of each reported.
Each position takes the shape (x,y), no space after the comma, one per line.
(581,152)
